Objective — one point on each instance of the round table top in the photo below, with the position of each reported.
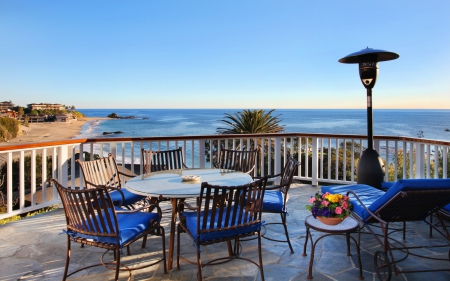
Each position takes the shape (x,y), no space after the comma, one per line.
(347,225)
(169,183)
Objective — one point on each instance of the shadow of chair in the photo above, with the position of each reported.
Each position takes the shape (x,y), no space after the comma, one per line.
(405,201)
(223,214)
(238,160)
(92,219)
(276,197)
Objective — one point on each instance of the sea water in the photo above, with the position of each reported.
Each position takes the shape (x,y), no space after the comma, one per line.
(429,124)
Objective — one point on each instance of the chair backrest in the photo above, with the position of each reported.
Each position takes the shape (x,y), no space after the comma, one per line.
(89,212)
(102,171)
(412,199)
(238,160)
(288,174)
(154,161)
(230,208)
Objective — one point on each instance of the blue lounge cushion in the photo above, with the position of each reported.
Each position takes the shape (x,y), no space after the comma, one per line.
(130,225)
(366,193)
(374,198)
(130,198)
(273,201)
(191,224)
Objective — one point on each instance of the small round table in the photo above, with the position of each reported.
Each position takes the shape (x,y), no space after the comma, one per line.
(346,227)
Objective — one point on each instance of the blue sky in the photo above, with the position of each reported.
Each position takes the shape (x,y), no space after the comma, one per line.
(222,54)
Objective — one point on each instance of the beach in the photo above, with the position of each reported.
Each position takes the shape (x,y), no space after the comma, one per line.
(49,131)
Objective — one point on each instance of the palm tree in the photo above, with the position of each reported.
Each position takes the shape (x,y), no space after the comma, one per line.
(256,121)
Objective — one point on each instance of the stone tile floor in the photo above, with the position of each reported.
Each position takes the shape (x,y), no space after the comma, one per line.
(33,249)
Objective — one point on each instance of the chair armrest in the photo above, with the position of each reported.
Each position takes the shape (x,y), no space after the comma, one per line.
(182,204)
(125,174)
(151,208)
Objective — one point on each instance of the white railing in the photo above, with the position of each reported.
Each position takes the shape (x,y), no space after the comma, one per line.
(28,167)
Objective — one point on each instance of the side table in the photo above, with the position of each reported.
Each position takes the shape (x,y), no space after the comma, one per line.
(344,228)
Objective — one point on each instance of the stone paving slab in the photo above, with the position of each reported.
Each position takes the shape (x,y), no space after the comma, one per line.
(33,249)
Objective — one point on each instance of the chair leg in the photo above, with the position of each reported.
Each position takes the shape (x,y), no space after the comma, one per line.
(164,248)
(67,259)
(260,257)
(283,218)
(144,241)
(199,266)
(117,251)
(178,246)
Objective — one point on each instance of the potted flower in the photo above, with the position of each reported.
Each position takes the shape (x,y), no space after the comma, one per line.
(329,208)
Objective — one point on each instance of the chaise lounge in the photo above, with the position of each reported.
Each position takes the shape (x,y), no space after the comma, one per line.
(406,200)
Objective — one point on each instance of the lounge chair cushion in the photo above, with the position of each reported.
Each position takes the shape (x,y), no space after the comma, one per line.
(130,198)
(366,193)
(130,225)
(273,201)
(374,199)
(191,224)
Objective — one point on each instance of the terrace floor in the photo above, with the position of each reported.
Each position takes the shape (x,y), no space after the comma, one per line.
(33,249)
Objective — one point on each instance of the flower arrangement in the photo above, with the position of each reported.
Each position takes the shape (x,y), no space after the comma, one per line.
(329,205)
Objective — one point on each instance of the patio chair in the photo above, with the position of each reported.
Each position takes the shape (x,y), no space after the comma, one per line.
(276,197)
(238,160)
(406,200)
(92,219)
(161,160)
(104,171)
(223,214)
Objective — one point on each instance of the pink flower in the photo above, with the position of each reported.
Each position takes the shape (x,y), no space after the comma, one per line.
(345,205)
(345,198)
(338,210)
(311,200)
(325,194)
(325,203)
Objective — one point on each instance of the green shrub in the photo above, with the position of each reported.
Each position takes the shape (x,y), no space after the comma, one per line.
(9,128)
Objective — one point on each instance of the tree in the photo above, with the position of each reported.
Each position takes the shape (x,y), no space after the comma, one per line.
(20,111)
(256,121)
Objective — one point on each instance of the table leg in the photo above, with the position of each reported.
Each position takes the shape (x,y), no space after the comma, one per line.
(306,242)
(173,222)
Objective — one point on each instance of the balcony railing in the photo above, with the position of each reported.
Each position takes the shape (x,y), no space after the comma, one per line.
(332,159)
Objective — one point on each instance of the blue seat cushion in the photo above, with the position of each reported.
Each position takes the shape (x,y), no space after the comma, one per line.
(130,225)
(130,198)
(273,201)
(191,225)
(366,193)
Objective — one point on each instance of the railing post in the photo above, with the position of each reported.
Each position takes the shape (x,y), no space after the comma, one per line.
(201,153)
(63,165)
(277,157)
(420,160)
(315,161)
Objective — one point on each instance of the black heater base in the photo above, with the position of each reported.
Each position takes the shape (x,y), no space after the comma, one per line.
(370,169)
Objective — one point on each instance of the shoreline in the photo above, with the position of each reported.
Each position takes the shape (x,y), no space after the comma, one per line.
(50,131)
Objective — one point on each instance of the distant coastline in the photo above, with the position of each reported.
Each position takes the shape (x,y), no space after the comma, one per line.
(50,131)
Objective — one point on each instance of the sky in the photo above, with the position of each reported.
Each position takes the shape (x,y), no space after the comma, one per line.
(222,54)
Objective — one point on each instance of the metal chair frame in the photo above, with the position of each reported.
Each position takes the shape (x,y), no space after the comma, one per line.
(90,213)
(232,212)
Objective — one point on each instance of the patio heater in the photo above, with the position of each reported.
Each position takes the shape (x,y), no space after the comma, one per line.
(370,168)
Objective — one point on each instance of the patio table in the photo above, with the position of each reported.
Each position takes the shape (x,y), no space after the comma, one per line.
(344,228)
(169,184)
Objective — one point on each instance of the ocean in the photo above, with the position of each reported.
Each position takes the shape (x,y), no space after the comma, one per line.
(430,124)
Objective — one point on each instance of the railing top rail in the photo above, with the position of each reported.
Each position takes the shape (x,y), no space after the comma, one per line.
(212,137)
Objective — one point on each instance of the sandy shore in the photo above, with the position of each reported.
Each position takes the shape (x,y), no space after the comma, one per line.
(49,131)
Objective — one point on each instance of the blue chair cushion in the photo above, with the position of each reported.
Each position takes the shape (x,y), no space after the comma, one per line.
(130,198)
(130,225)
(191,224)
(273,201)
